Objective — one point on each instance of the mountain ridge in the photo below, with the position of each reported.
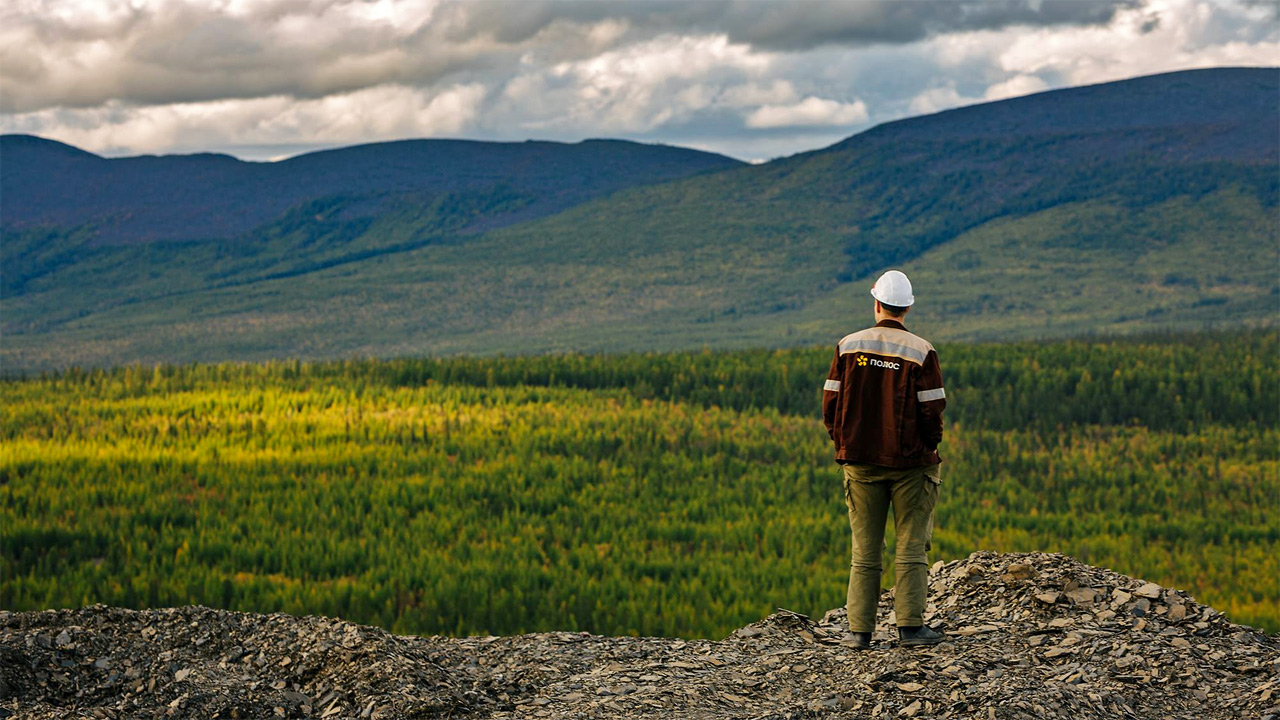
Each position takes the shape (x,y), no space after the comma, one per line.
(130,197)
(1163,97)
(1015,234)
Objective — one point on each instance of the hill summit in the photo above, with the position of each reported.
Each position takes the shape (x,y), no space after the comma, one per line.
(1032,636)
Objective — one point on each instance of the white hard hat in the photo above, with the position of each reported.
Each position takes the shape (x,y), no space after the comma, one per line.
(893,288)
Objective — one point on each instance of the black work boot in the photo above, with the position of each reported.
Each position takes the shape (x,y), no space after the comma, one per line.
(923,635)
(857,640)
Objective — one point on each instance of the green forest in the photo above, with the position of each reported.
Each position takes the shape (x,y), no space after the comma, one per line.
(676,494)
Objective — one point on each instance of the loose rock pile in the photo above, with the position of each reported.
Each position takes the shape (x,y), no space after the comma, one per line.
(1032,636)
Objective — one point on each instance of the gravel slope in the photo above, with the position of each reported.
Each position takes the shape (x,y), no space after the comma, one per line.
(1033,635)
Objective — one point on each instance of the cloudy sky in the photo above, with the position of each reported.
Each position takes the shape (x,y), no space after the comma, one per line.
(268,78)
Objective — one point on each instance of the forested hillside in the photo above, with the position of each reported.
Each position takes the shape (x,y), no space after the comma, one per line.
(666,494)
(1143,204)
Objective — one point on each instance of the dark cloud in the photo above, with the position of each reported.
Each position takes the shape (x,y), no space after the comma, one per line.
(189,52)
(805,25)
(783,25)
(1270,7)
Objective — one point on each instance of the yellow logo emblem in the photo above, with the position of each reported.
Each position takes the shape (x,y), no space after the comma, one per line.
(862,361)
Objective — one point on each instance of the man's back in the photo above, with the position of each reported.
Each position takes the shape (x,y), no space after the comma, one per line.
(883,399)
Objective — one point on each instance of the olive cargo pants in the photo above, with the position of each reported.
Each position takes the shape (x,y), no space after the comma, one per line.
(868,491)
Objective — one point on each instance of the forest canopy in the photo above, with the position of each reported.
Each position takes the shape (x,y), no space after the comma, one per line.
(676,494)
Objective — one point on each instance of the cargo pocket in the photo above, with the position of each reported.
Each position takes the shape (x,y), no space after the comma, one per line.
(933,474)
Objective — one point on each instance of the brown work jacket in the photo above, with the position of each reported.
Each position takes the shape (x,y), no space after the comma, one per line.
(883,399)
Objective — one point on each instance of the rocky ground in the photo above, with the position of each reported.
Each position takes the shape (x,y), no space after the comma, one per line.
(1032,635)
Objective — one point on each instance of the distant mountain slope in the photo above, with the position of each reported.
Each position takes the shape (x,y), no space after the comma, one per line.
(1231,104)
(1145,203)
(911,184)
(45,183)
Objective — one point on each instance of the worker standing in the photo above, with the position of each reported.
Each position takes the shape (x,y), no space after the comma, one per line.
(882,405)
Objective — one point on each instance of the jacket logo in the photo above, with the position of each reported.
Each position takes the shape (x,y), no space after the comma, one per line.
(863,361)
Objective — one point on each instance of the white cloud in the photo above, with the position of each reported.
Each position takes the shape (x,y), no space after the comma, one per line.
(1016,86)
(776,92)
(632,89)
(1164,35)
(809,112)
(378,113)
(937,99)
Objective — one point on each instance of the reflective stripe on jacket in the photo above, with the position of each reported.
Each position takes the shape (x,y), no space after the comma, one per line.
(883,399)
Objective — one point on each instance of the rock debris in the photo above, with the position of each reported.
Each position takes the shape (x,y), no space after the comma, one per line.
(1031,636)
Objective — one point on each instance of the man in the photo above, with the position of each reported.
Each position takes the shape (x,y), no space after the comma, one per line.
(882,405)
